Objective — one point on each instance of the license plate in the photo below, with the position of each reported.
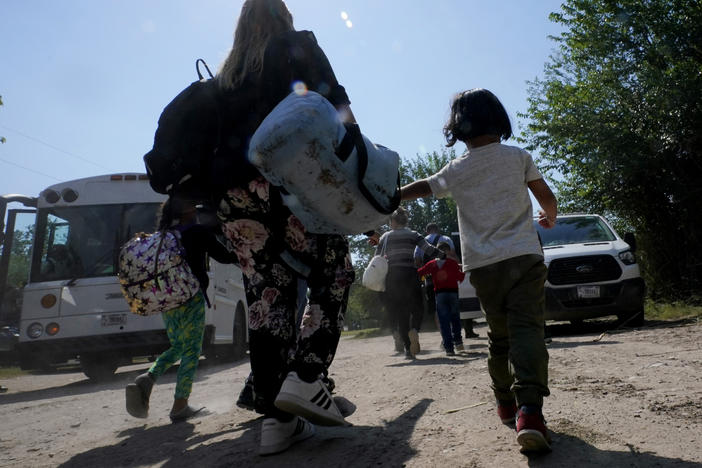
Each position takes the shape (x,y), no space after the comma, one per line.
(588,292)
(114,319)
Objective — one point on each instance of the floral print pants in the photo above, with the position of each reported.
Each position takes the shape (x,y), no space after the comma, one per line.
(274,249)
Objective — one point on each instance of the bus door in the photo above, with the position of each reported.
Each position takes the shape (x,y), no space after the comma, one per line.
(16,241)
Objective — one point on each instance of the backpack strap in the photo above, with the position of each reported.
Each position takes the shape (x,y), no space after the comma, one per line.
(354,139)
(158,252)
(435,240)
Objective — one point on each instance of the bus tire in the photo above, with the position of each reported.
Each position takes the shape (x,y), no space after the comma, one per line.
(98,367)
(239,345)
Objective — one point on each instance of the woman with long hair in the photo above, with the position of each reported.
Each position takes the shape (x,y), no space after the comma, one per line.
(268,59)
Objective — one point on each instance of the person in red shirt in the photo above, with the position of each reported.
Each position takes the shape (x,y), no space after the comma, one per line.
(446,274)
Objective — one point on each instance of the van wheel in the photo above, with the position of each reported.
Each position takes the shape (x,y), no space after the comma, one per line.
(98,367)
(632,319)
(240,345)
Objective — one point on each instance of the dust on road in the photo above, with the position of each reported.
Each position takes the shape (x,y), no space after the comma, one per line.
(625,398)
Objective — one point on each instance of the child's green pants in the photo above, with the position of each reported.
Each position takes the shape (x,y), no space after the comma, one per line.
(511,293)
(185,326)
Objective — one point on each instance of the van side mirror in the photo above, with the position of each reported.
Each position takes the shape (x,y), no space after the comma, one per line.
(631,240)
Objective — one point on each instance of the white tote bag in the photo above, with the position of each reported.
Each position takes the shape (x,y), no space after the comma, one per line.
(335,180)
(376,271)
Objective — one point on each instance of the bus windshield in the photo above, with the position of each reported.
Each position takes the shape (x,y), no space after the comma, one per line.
(575,230)
(84,241)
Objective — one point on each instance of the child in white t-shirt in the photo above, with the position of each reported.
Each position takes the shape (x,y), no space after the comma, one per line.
(490,184)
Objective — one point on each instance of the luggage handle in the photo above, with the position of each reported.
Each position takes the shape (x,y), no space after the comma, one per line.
(354,138)
(197,69)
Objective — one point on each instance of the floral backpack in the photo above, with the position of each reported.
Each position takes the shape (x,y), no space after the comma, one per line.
(154,274)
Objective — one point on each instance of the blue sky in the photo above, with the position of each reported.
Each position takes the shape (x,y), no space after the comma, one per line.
(84,81)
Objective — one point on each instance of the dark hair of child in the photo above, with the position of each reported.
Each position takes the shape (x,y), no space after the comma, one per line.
(171,211)
(474,113)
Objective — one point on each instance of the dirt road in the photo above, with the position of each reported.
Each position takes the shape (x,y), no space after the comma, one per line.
(631,398)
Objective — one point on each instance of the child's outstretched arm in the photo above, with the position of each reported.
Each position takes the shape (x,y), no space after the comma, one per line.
(417,189)
(543,194)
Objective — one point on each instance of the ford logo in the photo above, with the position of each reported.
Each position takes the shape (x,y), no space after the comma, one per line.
(584,269)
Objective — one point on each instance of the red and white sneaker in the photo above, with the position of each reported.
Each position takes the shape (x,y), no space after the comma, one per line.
(532,434)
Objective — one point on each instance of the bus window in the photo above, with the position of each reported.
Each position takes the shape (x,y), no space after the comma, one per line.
(58,259)
(83,241)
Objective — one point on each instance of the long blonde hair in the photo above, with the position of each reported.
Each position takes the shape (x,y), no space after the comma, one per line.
(258,22)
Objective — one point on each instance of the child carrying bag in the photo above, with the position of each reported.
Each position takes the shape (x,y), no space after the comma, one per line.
(153,273)
(334,180)
(377,270)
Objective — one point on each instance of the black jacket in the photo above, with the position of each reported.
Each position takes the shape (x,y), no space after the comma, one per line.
(199,241)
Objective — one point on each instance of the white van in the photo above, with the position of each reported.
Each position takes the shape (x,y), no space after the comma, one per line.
(468,303)
(72,305)
(592,272)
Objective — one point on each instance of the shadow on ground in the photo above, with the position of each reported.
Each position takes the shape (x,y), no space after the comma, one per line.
(423,360)
(178,445)
(588,327)
(570,450)
(115,382)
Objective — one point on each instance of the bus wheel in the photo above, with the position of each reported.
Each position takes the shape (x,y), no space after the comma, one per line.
(240,345)
(98,367)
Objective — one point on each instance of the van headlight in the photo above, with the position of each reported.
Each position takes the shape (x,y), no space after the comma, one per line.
(627,257)
(35,330)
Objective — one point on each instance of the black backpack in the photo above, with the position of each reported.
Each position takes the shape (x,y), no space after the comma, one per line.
(197,149)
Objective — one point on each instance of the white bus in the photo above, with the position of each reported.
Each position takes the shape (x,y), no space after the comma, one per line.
(72,306)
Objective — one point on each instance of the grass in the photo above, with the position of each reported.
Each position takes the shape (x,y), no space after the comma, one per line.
(11,372)
(365,333)
(671,311)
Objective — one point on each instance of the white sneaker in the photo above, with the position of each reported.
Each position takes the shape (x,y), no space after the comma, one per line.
(309,400)
(277,436)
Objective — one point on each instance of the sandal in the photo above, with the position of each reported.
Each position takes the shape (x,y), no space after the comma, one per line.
(138,394)
(184,414)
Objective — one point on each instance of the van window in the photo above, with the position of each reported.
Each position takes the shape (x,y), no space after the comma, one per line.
(575,230)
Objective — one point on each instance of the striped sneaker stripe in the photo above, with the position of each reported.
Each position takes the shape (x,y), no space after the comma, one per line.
(317,396)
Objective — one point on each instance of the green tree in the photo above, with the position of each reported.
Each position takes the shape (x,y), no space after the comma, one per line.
(18,272)
(617,119)
(423,211)
(365,305)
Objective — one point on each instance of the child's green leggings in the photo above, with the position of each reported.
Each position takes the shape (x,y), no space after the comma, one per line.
(185,326)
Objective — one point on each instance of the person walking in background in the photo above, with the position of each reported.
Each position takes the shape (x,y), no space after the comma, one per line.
(269,58)
(433,237)
(490,184)
(468,328)
(446,274)
(185,325)
(403,293)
